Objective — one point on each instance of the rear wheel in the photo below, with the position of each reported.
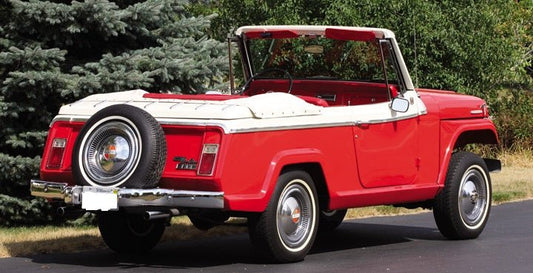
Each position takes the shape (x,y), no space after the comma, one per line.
(286,230)
(207,219)
(129,233)
(462,208)
(330,219)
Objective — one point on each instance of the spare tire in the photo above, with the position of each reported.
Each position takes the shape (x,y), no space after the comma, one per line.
(120,146)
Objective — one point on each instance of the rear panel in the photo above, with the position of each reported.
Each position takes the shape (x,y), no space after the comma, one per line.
(192,154)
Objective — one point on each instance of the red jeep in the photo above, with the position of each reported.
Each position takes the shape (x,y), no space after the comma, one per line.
(328,119)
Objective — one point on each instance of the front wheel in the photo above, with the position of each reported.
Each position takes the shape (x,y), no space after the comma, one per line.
(462,208)
(286,230)
(129,233)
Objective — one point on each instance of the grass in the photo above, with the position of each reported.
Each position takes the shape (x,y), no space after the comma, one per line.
(515,182)
(25,241)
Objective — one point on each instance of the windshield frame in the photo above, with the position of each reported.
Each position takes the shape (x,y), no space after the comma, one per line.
(341,32)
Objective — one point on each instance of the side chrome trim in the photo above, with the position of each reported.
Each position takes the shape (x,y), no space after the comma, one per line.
(291,127)
(69,119)
(228,130)
(130,197)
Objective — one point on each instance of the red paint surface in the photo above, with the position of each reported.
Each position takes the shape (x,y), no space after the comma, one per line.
(350,35)
(368,164)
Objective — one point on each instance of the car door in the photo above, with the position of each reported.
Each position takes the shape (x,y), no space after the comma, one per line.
(387,140)
(387,152)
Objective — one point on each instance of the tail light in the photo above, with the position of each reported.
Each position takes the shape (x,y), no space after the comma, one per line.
(210,148)
(208,159)
(57,150)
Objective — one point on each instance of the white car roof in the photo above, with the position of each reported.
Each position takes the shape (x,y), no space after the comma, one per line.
(312,30)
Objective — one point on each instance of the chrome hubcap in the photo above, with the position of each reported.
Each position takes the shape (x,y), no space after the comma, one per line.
(111,152)
(290,216)
(473,197)
(295,216)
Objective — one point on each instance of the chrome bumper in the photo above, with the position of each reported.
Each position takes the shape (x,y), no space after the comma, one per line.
(97,198)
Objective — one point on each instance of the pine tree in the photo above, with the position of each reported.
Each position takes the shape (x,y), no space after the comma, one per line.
(54,52)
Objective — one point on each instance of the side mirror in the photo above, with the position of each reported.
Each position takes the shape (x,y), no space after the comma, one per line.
(400,105)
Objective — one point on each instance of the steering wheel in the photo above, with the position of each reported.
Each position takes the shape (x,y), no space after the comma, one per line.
(252,78)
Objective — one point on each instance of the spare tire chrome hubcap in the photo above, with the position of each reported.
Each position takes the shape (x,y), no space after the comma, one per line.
(111,152)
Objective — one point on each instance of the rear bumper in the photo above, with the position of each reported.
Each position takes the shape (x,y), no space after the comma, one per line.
(97,198)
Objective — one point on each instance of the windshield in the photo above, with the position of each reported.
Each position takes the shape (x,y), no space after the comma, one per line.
(318,57)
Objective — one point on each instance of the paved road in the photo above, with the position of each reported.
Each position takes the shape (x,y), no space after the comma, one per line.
(384,244)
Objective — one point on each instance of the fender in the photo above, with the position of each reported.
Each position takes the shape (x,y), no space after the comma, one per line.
(258,202)
(458,133)
(287,158)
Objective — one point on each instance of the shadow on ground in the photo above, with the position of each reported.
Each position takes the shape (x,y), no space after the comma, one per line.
(231,249)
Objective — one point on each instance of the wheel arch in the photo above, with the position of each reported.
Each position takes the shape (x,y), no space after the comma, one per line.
(314,169)
(483,136)
(464,134)
(309,160)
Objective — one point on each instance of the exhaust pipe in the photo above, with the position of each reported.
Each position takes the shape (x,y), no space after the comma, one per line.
(69,212)
(154,215)
(61,211)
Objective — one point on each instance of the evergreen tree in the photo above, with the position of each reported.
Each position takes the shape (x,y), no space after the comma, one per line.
(54,52)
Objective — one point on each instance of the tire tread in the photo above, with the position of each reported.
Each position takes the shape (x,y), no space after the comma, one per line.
(445,208)
(263,230)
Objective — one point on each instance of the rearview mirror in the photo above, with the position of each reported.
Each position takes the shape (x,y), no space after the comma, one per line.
(400,105)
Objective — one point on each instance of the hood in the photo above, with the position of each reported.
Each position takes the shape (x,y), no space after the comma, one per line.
(453,105)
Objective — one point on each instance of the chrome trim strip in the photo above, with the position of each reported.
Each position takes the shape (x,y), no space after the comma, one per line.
(130,197)
(199,122)
(279,128)
(376,121)
(69,119)
(227,130)
(291,127)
